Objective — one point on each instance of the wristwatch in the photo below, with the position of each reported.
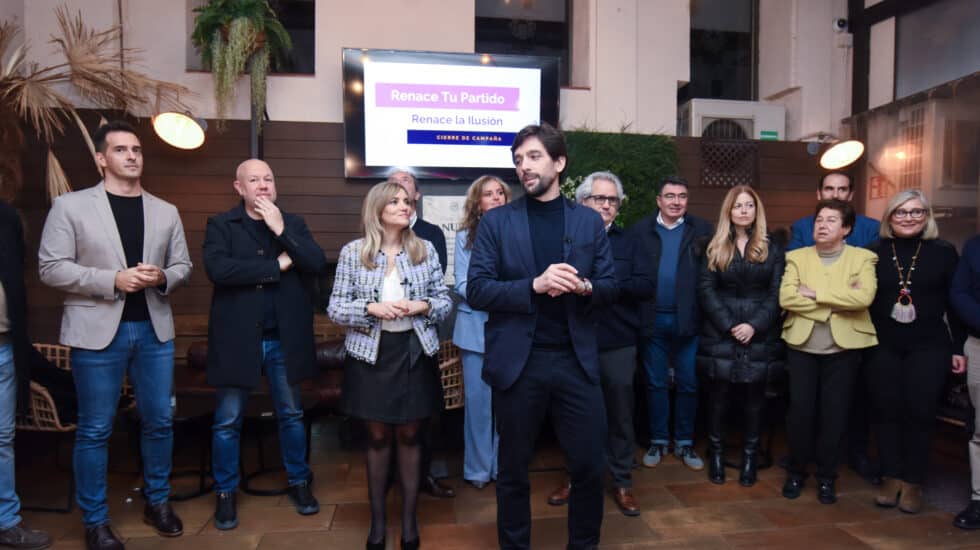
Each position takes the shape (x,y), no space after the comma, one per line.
(587,291)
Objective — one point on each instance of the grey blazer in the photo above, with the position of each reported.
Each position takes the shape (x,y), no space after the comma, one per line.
(81,252)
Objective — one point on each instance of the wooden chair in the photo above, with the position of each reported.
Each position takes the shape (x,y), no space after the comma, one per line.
(42,416)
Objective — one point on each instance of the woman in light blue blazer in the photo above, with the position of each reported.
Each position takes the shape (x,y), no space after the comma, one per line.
(480,437)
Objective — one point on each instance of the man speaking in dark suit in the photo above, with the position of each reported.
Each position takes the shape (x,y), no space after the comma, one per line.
(539,264)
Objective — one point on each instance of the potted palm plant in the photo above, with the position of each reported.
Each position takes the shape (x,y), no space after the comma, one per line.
(235,35)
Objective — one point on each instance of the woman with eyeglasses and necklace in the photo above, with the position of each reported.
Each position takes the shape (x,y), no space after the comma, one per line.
(916,347)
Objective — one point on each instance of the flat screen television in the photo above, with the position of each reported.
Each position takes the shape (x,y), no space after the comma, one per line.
(442,115)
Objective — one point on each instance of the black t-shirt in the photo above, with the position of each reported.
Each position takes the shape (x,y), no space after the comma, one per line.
(128,212)
(546,220)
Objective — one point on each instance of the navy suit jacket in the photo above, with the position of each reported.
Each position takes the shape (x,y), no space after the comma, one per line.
(500,282)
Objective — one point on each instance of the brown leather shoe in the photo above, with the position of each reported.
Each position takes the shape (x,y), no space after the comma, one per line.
(887,496)
(626,501)
(559,497)
(910,500)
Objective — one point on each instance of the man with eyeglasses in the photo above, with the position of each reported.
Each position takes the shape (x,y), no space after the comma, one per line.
(618,331)
(675,243)
(839,185)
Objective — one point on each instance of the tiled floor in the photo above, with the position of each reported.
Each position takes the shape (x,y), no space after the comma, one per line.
(681,509)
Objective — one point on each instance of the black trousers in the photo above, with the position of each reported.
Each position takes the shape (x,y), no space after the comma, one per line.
(820,389)
(552,383)
(617,367)
(859,428)
(905,388)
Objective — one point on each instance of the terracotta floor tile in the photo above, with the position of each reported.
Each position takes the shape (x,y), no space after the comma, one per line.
(457,537)
(227,542)
(708,542)
(271,520)
(667,473)
(334,540)
(811,538)
(694,494)
(704,520)
(920,531)
(808,511)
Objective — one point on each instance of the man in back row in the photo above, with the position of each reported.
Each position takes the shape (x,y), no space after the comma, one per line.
(675,243)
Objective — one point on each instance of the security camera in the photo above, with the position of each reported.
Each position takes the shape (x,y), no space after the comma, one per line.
(840,24)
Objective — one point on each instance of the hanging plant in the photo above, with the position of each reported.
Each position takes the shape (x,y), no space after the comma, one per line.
(238,36)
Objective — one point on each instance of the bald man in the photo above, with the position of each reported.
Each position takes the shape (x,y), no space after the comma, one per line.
(261,322)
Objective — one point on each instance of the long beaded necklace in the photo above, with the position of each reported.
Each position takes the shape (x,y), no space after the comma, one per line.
(904,310)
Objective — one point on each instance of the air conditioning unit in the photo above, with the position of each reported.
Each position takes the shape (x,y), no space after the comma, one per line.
(723,118)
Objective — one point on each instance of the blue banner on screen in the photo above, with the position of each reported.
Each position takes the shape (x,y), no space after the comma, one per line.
(457,137)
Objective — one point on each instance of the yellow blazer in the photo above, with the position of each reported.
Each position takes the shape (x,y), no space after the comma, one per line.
(844,291)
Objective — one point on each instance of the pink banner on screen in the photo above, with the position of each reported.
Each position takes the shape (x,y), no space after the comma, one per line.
(435,96)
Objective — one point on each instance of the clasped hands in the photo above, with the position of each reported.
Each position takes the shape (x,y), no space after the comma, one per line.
(390,311)
(559,279)
(137,278)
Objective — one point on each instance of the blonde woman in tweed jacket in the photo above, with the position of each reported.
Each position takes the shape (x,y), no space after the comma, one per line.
(389,292)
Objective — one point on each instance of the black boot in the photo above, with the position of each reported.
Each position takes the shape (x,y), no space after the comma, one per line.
(755,399)
(716,434)
(747,477)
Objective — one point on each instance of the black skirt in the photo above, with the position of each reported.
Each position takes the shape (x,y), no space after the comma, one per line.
(403,386)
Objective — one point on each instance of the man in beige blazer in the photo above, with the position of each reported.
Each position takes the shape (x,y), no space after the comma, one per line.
(118,253)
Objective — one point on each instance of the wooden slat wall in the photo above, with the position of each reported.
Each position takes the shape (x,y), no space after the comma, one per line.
(787,184)
(308,162)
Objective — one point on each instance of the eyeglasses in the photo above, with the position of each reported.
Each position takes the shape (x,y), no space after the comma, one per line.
(915,213)
(674,196)
(603,199)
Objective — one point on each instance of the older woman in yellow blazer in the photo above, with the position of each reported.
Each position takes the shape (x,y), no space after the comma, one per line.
(826,291)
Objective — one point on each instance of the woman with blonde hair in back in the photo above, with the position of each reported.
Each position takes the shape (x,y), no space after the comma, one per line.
(740,348)
(479,436)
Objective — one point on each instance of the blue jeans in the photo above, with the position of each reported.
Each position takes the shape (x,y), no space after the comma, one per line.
(480,435)
(98,376)
(9,503)
(228,417)
(659,350)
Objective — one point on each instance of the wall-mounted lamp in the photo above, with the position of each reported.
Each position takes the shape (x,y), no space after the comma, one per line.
(180,129)
(839,155)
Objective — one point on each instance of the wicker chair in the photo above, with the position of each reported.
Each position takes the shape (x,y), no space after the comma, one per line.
(451,371)
(42,416)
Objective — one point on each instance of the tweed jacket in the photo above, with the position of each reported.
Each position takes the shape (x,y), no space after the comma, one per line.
(356,286)
(844,291)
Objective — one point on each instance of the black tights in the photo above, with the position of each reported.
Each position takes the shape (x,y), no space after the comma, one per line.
(380,437)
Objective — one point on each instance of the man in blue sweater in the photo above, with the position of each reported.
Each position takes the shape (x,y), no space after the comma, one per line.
(675,243)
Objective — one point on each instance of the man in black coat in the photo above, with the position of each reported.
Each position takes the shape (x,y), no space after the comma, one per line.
(434,235)
(14,377)
(261,322)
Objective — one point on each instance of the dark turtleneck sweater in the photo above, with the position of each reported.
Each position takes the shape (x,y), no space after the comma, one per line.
(931,280)
(546,221)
